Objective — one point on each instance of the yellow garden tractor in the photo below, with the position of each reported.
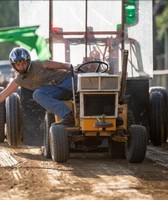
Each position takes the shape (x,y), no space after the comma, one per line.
(101,113)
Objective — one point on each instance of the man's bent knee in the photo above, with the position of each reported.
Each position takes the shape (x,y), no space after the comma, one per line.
(37,94)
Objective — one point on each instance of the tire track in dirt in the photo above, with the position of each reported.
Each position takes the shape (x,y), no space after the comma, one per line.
(84,176)
(158,155)
(97,177)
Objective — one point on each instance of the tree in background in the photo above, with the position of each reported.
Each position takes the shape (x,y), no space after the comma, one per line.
(161,21)
(9,11)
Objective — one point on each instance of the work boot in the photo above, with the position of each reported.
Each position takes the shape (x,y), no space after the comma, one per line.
(67,121)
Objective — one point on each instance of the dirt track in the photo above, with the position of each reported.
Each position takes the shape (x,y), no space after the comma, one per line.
(26,174)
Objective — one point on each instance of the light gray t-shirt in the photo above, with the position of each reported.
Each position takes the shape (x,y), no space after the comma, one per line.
(39,76)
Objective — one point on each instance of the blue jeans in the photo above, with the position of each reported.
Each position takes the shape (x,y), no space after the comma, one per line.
(51,97)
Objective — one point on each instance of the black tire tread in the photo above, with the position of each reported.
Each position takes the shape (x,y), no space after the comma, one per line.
(164,92)
(136,146)
(59,143)
(156,118)
(49,119)
(14,120)
(2,119)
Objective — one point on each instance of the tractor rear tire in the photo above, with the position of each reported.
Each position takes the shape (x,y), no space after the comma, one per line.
(135,149)
(14,120)
(2,119)
(49,119)
(156,125)
(59,144)
(164,92)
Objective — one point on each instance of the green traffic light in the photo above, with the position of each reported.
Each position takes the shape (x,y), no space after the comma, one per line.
(130,12)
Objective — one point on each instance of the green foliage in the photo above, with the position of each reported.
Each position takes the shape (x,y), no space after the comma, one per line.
(9,10)
(162,23)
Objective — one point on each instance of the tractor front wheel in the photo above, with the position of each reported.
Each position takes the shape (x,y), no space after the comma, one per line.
(49,119)
(59,145)
(136,145)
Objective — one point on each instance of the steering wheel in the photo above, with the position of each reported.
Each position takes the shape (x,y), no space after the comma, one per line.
(93,66)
